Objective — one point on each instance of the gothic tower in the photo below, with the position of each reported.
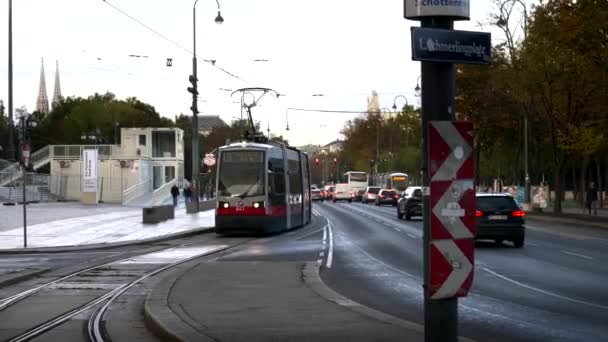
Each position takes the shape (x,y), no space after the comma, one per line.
(57,90)
(42,103)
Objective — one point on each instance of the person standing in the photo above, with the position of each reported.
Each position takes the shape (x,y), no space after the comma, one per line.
(592,198)
(174,194)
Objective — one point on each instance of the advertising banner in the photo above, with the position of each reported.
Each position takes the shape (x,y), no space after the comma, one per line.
(89,170)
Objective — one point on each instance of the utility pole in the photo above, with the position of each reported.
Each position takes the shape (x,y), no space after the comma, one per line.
(451,237)
(438,87)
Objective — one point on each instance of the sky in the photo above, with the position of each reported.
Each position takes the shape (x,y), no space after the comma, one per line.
(342,49)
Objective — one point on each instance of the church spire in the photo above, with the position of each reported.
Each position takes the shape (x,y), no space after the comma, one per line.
(57,90)
(42,103)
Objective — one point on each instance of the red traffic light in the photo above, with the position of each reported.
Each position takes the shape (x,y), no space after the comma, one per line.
(317,161)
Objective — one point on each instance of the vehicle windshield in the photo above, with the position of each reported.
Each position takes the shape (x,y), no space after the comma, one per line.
(358,177)
(400,182)
(241,174)
(487,203)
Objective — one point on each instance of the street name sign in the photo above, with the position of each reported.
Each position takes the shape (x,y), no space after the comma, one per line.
(449,46)
(452,208)
(455,9)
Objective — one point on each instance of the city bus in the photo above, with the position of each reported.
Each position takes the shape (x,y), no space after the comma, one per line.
(357,180)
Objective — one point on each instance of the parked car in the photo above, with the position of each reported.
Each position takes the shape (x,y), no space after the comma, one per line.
(499,217)
(387,196)
(342,193)
(410,203)
(316,194)
(370,194)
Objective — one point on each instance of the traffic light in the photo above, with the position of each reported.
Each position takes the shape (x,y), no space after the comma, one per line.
(194,89)
(317,161)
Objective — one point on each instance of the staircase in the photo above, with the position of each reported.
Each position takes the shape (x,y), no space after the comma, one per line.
(13,171)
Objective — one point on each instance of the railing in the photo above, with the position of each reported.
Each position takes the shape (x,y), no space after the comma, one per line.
(135,191)
(37,188)
(40,157)
(163,193)
(10,174)
(75,151)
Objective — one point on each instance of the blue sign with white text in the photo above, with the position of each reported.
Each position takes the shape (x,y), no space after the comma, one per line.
(449,46)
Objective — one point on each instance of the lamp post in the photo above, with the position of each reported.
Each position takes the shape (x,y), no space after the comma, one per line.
(25,122)
(526,147)
(11,138)
(407,104)
(194,90)
(417,89)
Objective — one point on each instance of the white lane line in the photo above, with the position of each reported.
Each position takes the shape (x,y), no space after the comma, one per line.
(330,252)
(395,228)
(324,234)
(578,255)
(529,287)
(322,254)
(412,236)
(532,244)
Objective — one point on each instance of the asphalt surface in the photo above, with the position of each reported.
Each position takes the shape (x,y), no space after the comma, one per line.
(554,289)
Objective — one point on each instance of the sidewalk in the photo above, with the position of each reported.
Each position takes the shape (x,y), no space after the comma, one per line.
(74,225)
(263,301)
(573,216)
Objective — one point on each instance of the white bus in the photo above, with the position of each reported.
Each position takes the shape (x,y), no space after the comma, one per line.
(357,180)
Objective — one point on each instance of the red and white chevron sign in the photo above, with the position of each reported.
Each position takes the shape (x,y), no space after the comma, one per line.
(452,203)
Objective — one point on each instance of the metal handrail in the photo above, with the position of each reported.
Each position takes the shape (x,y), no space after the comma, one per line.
(135,191)
(163,192)
(40,155)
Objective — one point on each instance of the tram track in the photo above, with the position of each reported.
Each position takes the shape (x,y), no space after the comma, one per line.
(122,273)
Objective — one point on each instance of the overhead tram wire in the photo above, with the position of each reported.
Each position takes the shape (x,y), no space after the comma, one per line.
(328,111)
(211,62)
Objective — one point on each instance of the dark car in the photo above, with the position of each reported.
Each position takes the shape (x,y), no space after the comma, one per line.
(386,196)
(358,196)
(500,218)
(410,203)
(316,194)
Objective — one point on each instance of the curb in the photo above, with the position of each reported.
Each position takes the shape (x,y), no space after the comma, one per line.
(8,279)
(567,220)
(106,245)
(312,278)
(161,320)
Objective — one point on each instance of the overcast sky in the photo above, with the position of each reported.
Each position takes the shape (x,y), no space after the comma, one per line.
(343,49)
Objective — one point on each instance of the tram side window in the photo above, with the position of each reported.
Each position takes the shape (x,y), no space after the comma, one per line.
(276,180)
(295,177)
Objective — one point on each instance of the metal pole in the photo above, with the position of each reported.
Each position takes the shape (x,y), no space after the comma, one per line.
(11,151)
(438,87)
(24,199)
(195,136)
(526,133)
(377,147)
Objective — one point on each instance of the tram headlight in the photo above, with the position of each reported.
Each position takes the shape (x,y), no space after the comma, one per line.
(226,205)
(256,205)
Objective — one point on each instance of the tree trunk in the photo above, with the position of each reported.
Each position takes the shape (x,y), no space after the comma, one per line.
(558,178)
(575,188)
(600,185)
(583,183)
(477,164)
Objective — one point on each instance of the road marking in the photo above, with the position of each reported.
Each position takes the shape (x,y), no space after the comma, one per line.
(412,236)
(515,282)
(322,254)
(324,234)
(330,252)
(578,255)
(532,244)
(395,228)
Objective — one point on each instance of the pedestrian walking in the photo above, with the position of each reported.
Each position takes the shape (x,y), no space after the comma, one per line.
(592,198)
(187,194)
(174,194)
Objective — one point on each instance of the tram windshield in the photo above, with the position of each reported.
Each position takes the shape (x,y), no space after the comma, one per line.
(241,174)
(399,182)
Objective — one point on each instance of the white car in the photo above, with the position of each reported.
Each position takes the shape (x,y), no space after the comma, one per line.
(342,192)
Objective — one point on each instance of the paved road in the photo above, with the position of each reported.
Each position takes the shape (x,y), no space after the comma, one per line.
(554,289)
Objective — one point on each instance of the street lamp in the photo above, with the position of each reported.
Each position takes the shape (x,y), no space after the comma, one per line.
(417,89)
(526,147)
(390,116)
(194,90)
(407,104)
(11,139)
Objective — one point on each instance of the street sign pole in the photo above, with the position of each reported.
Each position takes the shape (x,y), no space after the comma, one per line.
(438,84)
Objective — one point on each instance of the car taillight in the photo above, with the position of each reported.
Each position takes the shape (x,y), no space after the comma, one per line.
(395,196)
(381,196)
(478,213)
(518,213)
